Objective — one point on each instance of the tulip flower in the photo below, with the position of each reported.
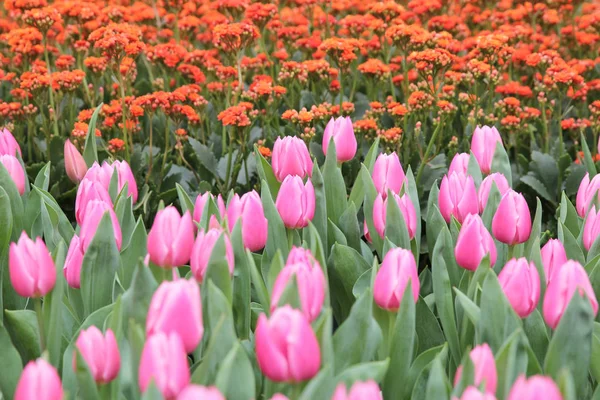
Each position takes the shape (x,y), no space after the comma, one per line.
(250,210)
(202,251)
(279,396)
(472,393)
(291,157)
(474,243)
(458,197)
(103,174)
(31,269)
(520,282)
(74,163)
(460,164)
(368,390)
(287,349)
(201,202)
(569,278)
(8,143)
(485,368)
(197,392)
(534,388)
(89,190)
(587,194)
(39,381)
(406,208)
(553,257)
(171,237)
(164,362)
(591,228)
(176,307)
(15,170)
(94,211)
(512,221)
(296,202)
(100,352)
(483,146)
(73,262)
(309,278)
(486,187)
(342,132)
(397,270)
(388,174)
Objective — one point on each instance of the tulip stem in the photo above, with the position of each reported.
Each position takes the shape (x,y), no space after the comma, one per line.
(427,151)
(37,303)
(296,391)
(165,274)
(290,237)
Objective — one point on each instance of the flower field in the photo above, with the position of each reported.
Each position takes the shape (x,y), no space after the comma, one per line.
(300,199)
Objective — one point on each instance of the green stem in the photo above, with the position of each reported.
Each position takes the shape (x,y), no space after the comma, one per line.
(511,252)
(51,93)
(167,146)
(149,148)
(229,158)
(123,115)
(290,237)
(545,128)
(37,303)
(167,274)
(428,150)
(296,391)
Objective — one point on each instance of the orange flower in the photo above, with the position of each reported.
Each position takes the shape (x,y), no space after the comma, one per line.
(234,116)
(235,36)
(118,40)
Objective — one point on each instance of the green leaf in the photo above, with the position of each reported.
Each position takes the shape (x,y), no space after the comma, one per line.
(370,195)
(42,180)
(241,284)
(538,186)
(24,332)
(53,309)
(511,361)
(16,203)
(349,226)
(335,188)
(470,308)
(9,299)
(265,172)
(130,255)
(396,229)
(87,386)
(357,194)
(258,283)
(137,297)
(535,330)
(568,215)
(572,247)
(587,157)
(501,163)
(423,361)
(474,170)
(277,236)
(12,366)
(235,378)
(205,155)
(375,370)
(184,200)
(320,218)
(90,152)
(438,386)
(429,332)
(217,270)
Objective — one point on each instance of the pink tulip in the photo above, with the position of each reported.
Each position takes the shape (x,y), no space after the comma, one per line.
(512,221)
(176,307)
(8,144)
(164,362)
(197,392)
(296,202)
(103,175)
(31,269)
(287,349)
(569,278)
(74,163)
(474,243)
(73,262)
(458,197)
(553,257)
(15,170)
(483,146)
(473,393)
(310,281)
(520,282)
(406,208)
(39,381)
(366,232)
(94,212)
(460,164)
(342,132)
(291,157)
(100,352)
(279,396)
(100,173)
(591,228)
(89,190)
(534,388)
(368,390)
(388,174)
(397,269)
(201,202)
(486,186)
(587,193)
(485,368)
(255,226)
(171,237)
(202,251)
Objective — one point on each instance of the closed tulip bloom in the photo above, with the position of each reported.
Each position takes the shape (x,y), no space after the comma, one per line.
(39,381)
(164,362)
(397,269)
(520,282)
(571,278)
(94,212)
(201,203)
(73,262)
(534,388)
(296,202)
(197,392)
(279,396)
(309,279)
(591,229)
(486,187)
(87,191)
(171,238)
(460,164)
(474,243)
(125,176)
(485,368)
(249,209)
(473,393)
(202,251)
(342,132)
(512,221)
(291,157)
(483,146)
(176,307)
(74,162)
(406,208)
(388,174)
(587,194)
(15,170)
(100,352)
(8,143)
(458,197)
(31,269)
(553,257)
(368,390)
(101,173)
(287,349)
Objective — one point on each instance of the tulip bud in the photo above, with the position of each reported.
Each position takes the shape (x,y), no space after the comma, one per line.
(74,163)
(485,368)
(569,278)
(296,202)
(486,187)
(94,212)
(171,237)
(342,132)
(309,278)
(32,271)
(591,228)
(279,396)
(100,352)
(472,393)
(8,144)
(388,174)
(460,164)
(176,307)
(587,194)
(474,243)
(406,208)
(73,262)
(512,221)
(197,392)
(125,175)
(397,269)
(39,381)
(164,362)
(100,173)
(520,282)
(254,224)
(291,157)
(458,197)
(534,388)
(15,170)
(202,251)
(201,203)
(89,190)
(368,390)
(287,349)
(553,257)
(483,146)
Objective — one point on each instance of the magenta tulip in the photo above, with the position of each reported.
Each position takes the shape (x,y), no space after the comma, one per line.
(342,132)
(201,202)
(197,392)
(474,243)
(73,262)
(388,174)
(103,175)
(31,269)
(591,228)
(94,211)
(512,221)
(202,251)
(587,194)
(473,393)
(291,157)
(15,170)
(486,186)
(457,197)
(368,390)
(249,210)
(534,388)
(406,208)
(8,143)
(171,238)
(296,202)
(520,282)
(100,352)
(287,349)
(89,190)
(485,368)
(460,164)
(74,163)
(279,396)
(39,381)
(569,278)
(553,257)
(483,146)
(397,270)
